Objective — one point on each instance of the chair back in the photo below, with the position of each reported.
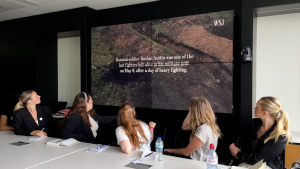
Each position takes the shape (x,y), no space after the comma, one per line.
(182,139)
(159,131)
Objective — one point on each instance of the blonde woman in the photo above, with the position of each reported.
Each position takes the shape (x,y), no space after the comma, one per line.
(201,120)
(29,118)
(133,134)
(266,136)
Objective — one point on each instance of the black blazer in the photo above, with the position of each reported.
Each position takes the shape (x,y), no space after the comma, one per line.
(24,123)
(77,129)
(253,149)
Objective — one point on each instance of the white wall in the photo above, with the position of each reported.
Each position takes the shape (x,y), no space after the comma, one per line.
(276,63)
(68,69)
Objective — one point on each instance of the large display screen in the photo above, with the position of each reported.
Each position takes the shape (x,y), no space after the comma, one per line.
(163,63)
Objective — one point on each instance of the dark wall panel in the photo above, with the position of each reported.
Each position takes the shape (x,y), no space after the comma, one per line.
(18,60)
(47,78)
(159,10)
(32,41)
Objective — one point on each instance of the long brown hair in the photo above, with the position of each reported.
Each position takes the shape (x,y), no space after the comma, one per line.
(127,119)
(23,99)
(201,113)
(273,106)
(79,107)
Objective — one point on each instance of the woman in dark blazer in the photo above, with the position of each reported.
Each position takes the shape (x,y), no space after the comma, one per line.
(265,137)
(30,118)
(82,122)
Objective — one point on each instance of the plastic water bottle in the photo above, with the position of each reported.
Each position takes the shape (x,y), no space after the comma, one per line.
(212,158)
(159,149)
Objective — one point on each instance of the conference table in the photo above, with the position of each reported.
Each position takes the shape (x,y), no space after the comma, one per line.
(39,155)
(36,152)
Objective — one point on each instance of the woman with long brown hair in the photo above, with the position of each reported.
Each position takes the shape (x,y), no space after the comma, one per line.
(29,118)
(202,121)
(265,137)
(133,134)
(82,122)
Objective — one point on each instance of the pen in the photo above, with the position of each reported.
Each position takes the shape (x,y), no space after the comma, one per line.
(40,131)
(100,146)
(148,154)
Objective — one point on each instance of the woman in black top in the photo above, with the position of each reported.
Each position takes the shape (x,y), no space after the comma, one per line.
(82,122)
(6,122)
(30,118)
(266,136)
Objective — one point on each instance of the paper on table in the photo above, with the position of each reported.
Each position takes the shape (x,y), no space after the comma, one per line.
(259,165)
(69,142)
(147,153)
(235,167)
(99,148)
(136,160)
(225,167)
(35,138)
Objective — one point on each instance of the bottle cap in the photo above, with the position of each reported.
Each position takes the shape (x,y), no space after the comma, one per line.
(212,146)
(158,137)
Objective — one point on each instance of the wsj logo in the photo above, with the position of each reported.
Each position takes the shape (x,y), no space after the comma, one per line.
(219,22)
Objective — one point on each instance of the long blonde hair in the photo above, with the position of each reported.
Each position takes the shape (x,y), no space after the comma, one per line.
(23,99)
(201,113)
(273,106)
(127,119)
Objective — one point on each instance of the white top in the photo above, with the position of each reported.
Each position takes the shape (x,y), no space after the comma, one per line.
(121,135)
(204,133)
(37,122)
(94,127)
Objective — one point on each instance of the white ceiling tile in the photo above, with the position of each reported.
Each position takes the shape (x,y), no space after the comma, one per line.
(49,6)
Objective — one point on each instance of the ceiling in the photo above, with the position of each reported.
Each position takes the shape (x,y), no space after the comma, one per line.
(12,9)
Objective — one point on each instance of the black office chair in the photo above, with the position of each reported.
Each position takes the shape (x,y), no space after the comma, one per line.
(108,135)
(181,141)
(159,131)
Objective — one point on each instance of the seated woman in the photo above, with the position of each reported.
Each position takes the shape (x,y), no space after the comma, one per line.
(82,122)
(201,120)
(133,134)
(6,122)
(30,118)
(266,136)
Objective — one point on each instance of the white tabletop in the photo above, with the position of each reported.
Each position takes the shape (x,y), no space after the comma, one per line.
(296,137)
(36,152)
(112,158)
(40,155)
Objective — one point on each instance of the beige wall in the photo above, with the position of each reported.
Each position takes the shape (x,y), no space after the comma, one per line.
(68,69)
(276,63)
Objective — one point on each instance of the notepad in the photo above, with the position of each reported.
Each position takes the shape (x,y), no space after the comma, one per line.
(148,154)
(136,160)
(99,148)
(56,142)
(35,138)
(69,142)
